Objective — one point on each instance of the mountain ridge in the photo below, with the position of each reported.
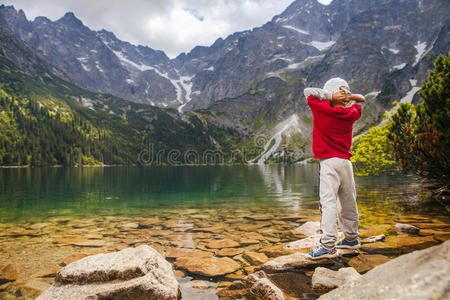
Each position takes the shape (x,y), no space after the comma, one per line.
(305,29)
(251,81)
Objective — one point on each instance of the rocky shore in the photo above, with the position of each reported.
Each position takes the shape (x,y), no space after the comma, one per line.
(208,254)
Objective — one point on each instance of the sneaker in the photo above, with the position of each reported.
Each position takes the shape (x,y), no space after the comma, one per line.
(344,244)
(321,252)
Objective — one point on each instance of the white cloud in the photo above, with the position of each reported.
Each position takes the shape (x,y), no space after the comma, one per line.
(173,26)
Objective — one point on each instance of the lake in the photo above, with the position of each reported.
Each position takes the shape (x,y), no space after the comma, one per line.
(48,214)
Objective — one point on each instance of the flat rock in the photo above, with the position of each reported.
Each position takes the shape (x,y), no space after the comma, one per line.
(77,256)
(293,261)
(8,273)
(69,241)
(259,217)
(182,240)
(212,229)
(308,229)
(229,251)
(279,250)
(39,226)
(129,226)
(402,228)
(308,243)
(399,244)
(255,258)
(48,273)
(208,266)
(94,236)
(325,279)
(219,244)
(149,223)
(251,227)
(90,243)
(186,252)
(132,273)
(364,263)
(247,241)
(403,278)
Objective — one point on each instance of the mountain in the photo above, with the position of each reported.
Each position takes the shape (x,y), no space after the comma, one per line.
(243,92)
(45,120)
(364,41)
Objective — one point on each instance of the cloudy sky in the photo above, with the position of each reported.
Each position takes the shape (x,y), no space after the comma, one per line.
(173,26)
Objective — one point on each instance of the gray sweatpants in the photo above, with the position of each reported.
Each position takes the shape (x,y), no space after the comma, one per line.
(337,195)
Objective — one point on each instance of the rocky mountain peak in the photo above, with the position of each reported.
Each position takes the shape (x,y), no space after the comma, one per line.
(70,19)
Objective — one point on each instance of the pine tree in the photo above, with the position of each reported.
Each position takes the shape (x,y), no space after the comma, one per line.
(421,135)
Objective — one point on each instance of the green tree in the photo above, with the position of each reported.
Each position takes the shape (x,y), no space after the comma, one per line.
(421,135)
(372,152)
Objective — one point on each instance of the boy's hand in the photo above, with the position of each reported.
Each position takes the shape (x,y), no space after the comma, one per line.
(339,96)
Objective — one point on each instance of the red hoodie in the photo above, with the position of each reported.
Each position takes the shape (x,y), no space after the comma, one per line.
(332,130)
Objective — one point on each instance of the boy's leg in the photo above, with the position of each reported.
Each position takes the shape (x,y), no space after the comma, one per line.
(328,188)
(347,210)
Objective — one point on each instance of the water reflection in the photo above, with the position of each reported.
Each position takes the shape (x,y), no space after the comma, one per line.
(45,192)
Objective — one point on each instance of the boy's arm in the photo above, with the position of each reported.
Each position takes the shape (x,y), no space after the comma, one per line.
(318,93)
(357,98)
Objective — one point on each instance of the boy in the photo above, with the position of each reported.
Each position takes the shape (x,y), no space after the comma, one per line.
(332,139)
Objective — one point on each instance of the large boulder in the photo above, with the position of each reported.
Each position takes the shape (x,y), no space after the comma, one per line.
(418,275)
(325,279)
(132,273)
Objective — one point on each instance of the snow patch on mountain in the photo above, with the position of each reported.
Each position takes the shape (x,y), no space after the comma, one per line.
(410,94)
(421,49)
(186,84)
(82,61)
(399,67)
(97,64)
(288,127)
(296,29)
(392,27)
(395,51)
(321,46)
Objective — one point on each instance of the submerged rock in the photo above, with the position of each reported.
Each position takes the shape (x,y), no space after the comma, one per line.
(208,266)
(363,263)
(186,252)
(132,273)
(8,273)
(225,243)
(325,279)
(418,275)
(229,251)
(402,228)
(77,256)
